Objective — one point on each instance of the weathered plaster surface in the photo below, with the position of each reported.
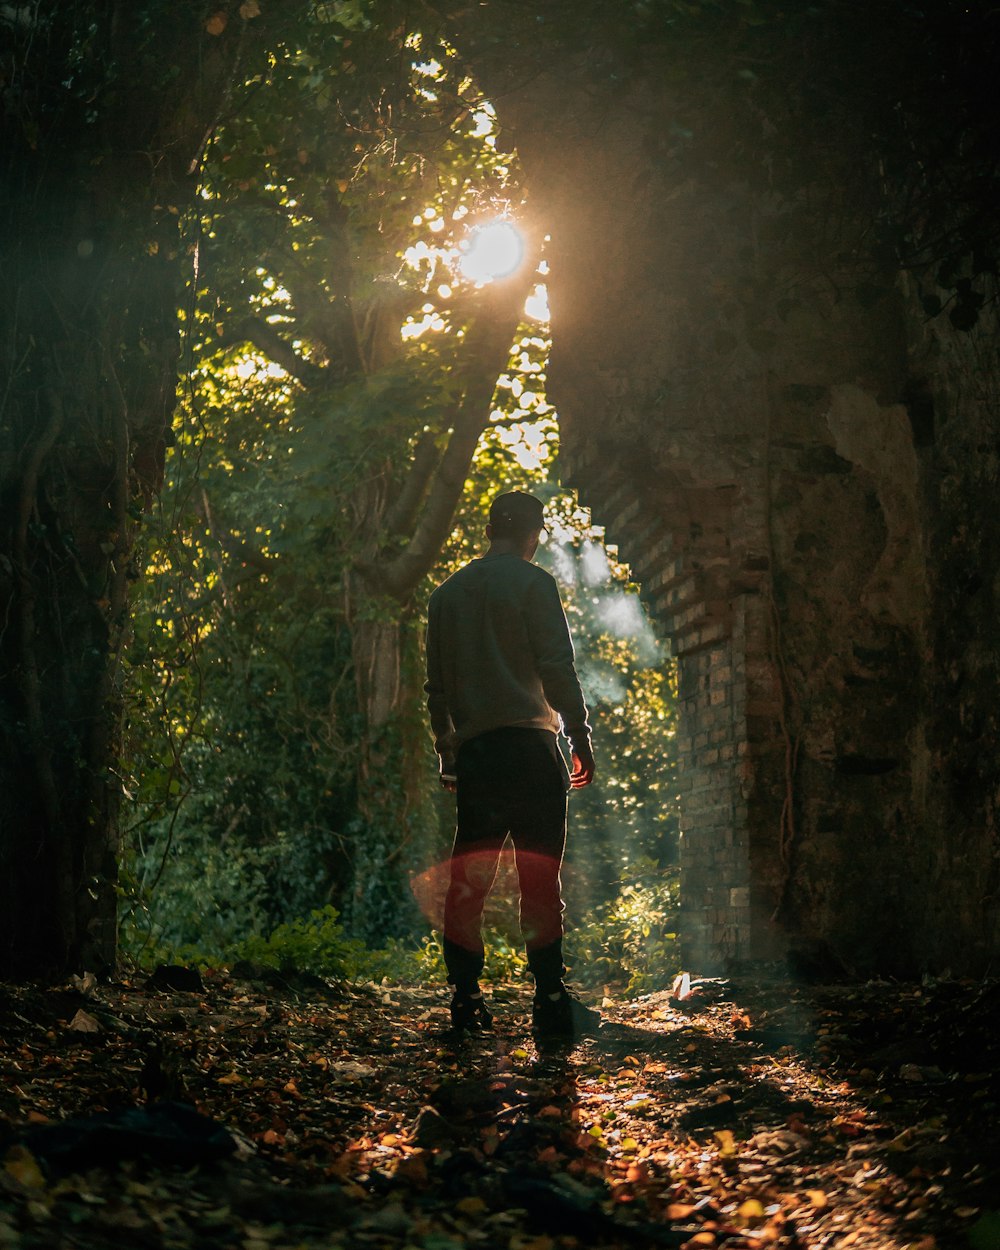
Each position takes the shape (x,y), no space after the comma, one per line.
(879,440)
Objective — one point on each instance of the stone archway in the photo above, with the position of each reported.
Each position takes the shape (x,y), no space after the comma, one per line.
(785,455)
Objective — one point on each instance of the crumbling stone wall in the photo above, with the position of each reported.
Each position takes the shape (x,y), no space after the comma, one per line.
(955,414)
(801,472)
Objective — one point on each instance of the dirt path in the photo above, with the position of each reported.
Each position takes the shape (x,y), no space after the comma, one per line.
(751,1115)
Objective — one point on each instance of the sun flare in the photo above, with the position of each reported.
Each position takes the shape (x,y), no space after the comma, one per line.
(493,251)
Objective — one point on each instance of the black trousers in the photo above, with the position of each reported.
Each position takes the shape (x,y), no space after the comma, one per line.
(510,781)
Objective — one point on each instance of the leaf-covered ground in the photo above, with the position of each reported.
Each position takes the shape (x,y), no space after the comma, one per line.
(753,1113)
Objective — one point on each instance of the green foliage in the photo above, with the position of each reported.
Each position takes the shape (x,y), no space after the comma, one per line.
(319,944)
(316,943)
(321,373)
(239,738)
(505,958)
(262,788)
(630,942)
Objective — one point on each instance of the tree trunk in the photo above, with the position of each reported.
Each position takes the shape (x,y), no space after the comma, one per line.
(83,433)
(380,903)
(100,133)
(391,800)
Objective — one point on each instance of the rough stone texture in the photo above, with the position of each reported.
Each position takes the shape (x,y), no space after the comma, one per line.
(801,475)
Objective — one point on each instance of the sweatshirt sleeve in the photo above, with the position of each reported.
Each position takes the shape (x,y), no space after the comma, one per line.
(437,705)
(552,645)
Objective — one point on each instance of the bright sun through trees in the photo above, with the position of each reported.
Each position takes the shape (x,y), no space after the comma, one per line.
(492,251)
(377,374)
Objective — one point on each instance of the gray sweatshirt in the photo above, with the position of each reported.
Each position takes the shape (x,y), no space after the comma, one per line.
(499,654)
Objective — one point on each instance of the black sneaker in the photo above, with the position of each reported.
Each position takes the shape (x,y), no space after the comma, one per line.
(470,1014)
(564,1016)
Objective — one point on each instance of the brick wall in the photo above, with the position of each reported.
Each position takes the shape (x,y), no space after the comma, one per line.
(714,842)
(708,599)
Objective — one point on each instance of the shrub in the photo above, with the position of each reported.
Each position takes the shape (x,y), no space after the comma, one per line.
(317,943)
(630,943)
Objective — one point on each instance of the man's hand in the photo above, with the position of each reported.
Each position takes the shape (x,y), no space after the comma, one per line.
(583,767)
(450,782)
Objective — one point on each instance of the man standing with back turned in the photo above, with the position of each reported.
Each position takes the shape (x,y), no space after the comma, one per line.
(500,678)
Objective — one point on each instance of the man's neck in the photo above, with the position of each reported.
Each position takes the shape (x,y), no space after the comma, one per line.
(507,547)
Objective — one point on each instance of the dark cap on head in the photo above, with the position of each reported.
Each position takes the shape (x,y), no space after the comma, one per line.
(516,514)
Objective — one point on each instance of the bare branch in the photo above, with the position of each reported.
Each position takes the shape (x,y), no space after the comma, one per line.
(404,511)
(255,563)
(265,337)
(488,347)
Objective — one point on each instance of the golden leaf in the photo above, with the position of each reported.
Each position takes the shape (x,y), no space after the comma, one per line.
(727,1142)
